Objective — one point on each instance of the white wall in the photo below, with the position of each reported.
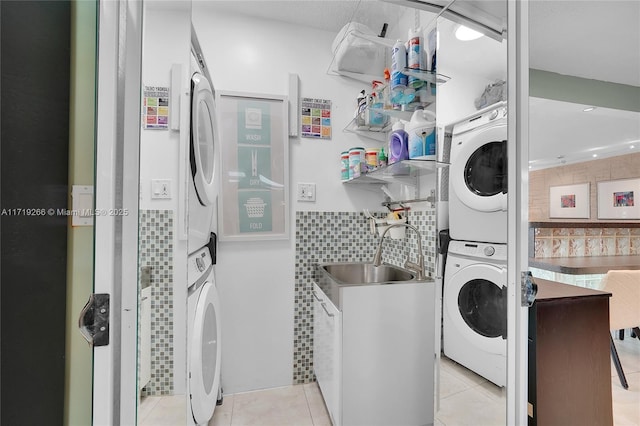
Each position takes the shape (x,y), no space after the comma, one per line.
(167,40)
(472,65)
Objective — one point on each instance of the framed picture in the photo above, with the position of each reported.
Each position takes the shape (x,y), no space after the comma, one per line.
(254,151)
(616,199)
(569,201)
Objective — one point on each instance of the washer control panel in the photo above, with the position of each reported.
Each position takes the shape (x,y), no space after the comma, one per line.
(197,265)
(495,252)
(488,115)
(489,251)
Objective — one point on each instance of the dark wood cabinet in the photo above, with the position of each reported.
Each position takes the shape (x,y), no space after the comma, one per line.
(569,366)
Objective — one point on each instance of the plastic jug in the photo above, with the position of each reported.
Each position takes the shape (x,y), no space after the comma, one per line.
(398,144)
(421,135)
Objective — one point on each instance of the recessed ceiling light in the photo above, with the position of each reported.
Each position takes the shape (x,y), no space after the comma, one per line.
(589,109)
(632,146)
(595,155)
(466,34)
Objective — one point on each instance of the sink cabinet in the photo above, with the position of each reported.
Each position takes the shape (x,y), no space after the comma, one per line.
(374,358)
(327,350)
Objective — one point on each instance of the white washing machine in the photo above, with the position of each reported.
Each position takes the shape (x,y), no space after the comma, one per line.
(478,177)
(475,308)
(203,335)
(203,160)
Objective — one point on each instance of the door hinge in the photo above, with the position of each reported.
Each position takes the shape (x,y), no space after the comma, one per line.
(94,320)
(528,289)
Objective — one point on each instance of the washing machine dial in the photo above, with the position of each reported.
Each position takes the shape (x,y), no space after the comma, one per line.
(489,251)
(493,114)
(200,264)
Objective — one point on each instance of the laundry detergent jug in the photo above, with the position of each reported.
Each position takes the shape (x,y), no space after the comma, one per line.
(398,144)
(421,135)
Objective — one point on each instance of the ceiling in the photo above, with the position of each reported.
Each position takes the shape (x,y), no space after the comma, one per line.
(563,133)
(328,15)
(597,40)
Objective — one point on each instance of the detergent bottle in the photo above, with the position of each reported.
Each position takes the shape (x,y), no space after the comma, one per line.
(421,135)
(398,143)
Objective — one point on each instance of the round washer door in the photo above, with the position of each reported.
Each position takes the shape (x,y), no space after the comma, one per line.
(475,301)
(479,170)
(204,144)
(204,377)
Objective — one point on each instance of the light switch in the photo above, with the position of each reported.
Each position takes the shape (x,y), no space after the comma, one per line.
(306,192)
(160,189)
(82,205)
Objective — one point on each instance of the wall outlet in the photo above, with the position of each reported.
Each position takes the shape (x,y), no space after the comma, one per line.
(160,189)
(306,192)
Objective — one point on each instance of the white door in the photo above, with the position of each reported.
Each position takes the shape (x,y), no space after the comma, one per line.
(116,202)
(204,377)
(204,142)
(477,175)
(474,301)
(518,156)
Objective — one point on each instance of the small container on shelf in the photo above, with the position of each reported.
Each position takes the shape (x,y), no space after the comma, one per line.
(356,162)
(344,165)
(371,158)
(382,158)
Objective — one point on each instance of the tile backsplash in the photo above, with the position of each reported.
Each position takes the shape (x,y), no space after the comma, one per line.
(588,241)
(156,251)
(344,237)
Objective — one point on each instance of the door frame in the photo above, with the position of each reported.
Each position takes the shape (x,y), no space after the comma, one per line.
(518,206)
(116,206)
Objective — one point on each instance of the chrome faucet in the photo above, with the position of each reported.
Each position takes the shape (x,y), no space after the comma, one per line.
(418,267)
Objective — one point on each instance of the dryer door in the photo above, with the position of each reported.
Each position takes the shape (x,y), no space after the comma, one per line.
(204,374)
(204,145)
(475,300)
(479,171)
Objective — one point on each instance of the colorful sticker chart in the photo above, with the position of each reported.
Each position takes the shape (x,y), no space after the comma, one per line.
(316,118)
(155,108)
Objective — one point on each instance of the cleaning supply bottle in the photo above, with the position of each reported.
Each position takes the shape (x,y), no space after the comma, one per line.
(386,91)
(421,135)
(377,119)
(382,158)
(415,57)
(398,143)
(398,64)
(362,105)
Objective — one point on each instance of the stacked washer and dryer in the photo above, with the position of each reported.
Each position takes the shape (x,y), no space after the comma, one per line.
(203,329)
(475,276)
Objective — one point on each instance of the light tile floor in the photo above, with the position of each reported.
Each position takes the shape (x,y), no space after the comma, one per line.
(162,411)
(466,399)
(298,405)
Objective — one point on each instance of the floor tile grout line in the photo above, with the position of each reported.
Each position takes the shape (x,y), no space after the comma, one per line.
(306,398)
(304,389)
(233,405)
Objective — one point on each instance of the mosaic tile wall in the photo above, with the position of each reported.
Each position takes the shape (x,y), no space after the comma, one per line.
(156,251)
(592,241)
(344,237)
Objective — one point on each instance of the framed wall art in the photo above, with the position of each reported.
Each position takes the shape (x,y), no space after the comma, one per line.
(254,151)
(569,201)
(616,199)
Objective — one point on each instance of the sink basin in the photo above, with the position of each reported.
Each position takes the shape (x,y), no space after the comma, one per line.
(366,273)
